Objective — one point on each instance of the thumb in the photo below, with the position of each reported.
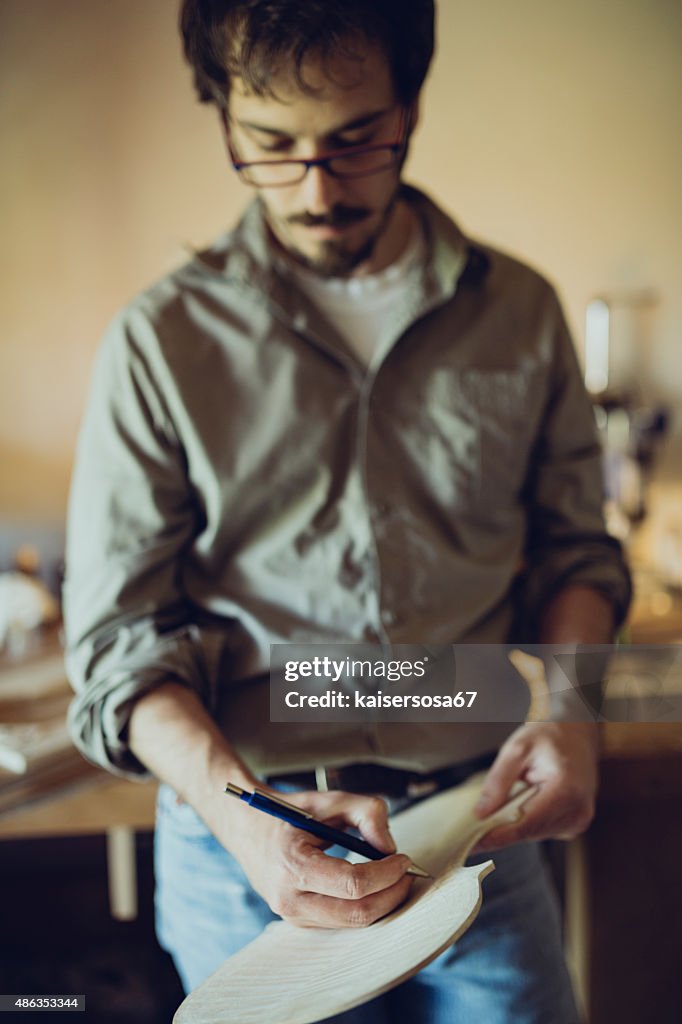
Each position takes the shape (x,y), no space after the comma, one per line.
(370,816)
(505,770)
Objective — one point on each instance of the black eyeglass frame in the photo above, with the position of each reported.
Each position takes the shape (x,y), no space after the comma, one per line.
(395,147)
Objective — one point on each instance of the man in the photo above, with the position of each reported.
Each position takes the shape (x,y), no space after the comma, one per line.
(343,422)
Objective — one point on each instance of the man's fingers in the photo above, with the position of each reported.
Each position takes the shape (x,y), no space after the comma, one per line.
(319,911)
(368,814)
(551,814)
(506,769)
(316,872)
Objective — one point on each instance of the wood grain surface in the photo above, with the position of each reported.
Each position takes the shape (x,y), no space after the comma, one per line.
(295,975)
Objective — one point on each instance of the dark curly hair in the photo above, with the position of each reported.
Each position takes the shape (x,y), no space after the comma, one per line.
(254,39)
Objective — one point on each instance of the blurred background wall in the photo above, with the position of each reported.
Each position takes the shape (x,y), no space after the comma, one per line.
(552,130)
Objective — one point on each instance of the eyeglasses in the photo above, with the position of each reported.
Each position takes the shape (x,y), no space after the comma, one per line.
(346,164)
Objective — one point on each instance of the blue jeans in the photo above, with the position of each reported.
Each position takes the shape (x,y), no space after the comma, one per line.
(508,968)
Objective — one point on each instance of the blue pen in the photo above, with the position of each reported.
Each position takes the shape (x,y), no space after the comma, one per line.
(301,819)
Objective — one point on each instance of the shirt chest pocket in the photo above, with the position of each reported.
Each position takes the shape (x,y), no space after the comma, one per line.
(478,431)
(503,407)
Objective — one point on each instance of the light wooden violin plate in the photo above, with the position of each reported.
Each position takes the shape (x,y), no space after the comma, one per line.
(292,975)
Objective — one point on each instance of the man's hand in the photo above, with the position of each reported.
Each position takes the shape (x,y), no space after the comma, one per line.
(561,758)
(307,887)
(173,735)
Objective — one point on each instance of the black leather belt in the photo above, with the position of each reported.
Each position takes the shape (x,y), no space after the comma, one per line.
(380,780)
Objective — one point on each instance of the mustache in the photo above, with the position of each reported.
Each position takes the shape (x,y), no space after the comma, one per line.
(339,216)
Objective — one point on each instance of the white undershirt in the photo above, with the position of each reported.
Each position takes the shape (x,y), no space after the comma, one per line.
(370,312)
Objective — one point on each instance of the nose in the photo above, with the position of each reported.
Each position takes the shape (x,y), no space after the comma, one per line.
(319,190)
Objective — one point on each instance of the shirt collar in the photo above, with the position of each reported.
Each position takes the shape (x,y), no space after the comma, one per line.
(246,255)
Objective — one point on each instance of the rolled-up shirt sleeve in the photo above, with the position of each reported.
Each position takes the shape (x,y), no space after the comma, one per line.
(131,514)
(567,542)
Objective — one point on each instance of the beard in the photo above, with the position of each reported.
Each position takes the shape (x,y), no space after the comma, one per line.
(334,258)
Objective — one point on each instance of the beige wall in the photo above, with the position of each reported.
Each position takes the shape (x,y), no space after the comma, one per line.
(550,129)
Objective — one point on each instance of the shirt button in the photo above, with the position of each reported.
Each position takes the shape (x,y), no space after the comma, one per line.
(388,617)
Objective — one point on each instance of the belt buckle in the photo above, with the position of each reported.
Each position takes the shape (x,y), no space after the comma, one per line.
(330,778)
(419,788)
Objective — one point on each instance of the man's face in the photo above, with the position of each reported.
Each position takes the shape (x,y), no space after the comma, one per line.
(330,225)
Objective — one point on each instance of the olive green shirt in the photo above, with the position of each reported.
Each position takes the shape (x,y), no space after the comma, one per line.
(241,480)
